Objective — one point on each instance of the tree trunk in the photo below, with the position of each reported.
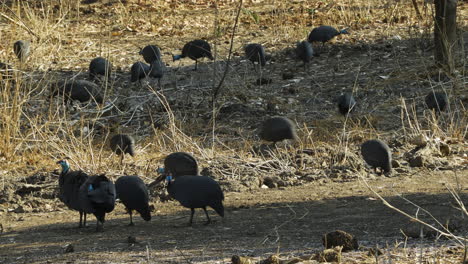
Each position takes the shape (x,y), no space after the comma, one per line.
(445,33)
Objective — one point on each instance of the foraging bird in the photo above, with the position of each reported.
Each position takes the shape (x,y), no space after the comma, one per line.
(132,191)
(21,49)
(179,164)
(324,34)
(377,154)
(436,101)
(346,103)
(122,144)
(99,66)
(97,196)
(195,50)
(157,69)
(69,186)
(277,129)
(255,53)
(304,52)
(151,53)
(80,90)
(197,192)
(139,71)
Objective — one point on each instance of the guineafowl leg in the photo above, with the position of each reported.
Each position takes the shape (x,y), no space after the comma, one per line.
(99,226)
(196,65)
(131,218)
(81,219)
(208,220)
(191,215)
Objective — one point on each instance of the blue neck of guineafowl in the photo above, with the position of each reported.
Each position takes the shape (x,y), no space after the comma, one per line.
(65,168)
(176,57)
(344,31)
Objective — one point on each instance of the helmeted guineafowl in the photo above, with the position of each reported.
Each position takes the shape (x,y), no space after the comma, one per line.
(99,67)
(377,154)
(139,71)
(132,191)
(346,103)
(324,34)
(255,53)
(436,101)
(197,192)
(180,163)
(80,90)
(151,53)
(157,69)
(195,50)
(304,52)
(21,49)
(97,196)
(277,129)
(122,144)
(69,187)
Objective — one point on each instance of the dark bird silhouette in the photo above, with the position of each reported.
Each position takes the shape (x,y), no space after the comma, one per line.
(436,101)
(324,34)
(277,129)
(157,69)
(139,71)
(80,90)
(197,192)
(151,53)
(304,52)
(99,67)
(69,187)
(97,196)
(346,103)
(180,163)
(255,53)
(195,50)
(377,154)
(122,144)
(21,49)
(132,191)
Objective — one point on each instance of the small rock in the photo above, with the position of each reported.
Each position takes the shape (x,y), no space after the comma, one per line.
(340,238)
(417,161)
(416,230)
(419,141)
(131,239)
(241,260)
(444,149)
(263,81)
(287,75)
(271,182)
(273,259)
(68,248)
(329,255)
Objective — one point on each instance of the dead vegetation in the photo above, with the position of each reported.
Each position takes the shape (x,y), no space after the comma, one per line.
(386,62)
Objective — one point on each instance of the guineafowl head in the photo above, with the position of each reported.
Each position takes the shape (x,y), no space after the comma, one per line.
(65,165)
(344,31)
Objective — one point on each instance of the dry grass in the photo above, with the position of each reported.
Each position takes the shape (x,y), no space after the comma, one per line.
(36,130)
(66,35)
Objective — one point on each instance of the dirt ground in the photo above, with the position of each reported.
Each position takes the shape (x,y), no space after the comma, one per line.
(289,221)
(280,201)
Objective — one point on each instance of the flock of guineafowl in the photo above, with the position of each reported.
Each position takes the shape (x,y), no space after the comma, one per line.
(97,194)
